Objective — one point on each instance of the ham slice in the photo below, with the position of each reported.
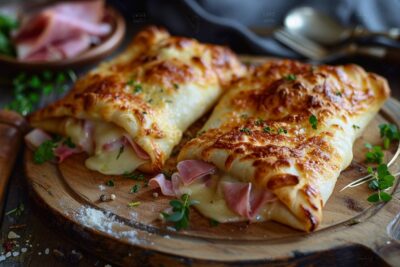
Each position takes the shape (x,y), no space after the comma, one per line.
(138,150)
(241,199)
(65,27)
(124,141)
(190,170)
(62,152)
(36,137)
(159,181)
(59,50)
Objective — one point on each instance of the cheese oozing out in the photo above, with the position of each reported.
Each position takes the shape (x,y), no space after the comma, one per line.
(118,160)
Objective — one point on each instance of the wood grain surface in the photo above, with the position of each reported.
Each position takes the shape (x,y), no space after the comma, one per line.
(351,226)
(12,128)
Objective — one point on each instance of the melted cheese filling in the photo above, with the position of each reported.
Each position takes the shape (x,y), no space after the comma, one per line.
(212,202)
(110,162)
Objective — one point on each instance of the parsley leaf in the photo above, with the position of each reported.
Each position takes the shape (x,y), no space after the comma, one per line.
(68,142)
(282,130)
(267,129)
(44,152)
(313,121)
(389,133)
(245,130)
(374,155)
(134,176)
(356,127)
(291,77)
(110,183)
(121,150)
(180,212)
(134,189)
(382,179)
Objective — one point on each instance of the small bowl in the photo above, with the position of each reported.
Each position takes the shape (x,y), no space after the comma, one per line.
(94,54)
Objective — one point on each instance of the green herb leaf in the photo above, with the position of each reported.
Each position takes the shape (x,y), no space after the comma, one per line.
(213,223)
(176,86)
(389,133)
(282,130)
(17,211)
(68,142)
(267,129)
(313,121)
(245,130)
(121,150)
(356,127)
(44,152)
(180,214)
(134,176)
(291,77)
(135,189)
(134,204)
(338,93)
(110,183)
(374,155)
(382,179)
(258,122)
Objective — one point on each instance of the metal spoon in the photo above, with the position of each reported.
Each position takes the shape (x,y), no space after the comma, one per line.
(321,28)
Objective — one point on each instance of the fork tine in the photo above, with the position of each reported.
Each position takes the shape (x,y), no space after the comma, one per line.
(301,44)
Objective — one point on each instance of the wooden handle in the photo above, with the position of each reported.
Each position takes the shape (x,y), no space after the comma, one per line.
(12,128)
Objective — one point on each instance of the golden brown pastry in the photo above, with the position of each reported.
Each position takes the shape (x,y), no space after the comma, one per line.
(130,112)
(276,143)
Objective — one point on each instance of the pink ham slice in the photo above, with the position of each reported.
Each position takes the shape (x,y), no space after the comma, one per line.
(66,22)
(124,141)
(241,199)
(62,152)
(35,138)
(138,150)
(190,170)
(166,186)
(59,50)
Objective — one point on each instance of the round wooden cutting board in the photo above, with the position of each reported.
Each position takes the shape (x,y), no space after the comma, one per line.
(353,230)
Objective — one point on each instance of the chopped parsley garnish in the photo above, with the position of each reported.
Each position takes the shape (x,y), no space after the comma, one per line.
(134,204)
(176,86)
(338,93)
(28,89)
(137,88)
(258,122)
(44,152)
(356,127)
(180,212)
(244,116)
(110,183)
(374,155)
(382,179)
(68,142)
(150,100)
(121,150)
(389,133)
(17,211)
(291,77)
(213,223)
(7,24)
(134,189)
(267,129)
(282,130)
(134,176)
(245,130)
(313,121)
(201,132)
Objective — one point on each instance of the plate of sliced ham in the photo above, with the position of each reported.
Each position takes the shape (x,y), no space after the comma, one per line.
(63,34)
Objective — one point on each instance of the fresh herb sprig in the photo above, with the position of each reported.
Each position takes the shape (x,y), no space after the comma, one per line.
(17,211)
(382,179)
(180,212)
(7,24)
(134,176)
(374,155)
(389,133)
(28,89)
(45,152)
(313,121)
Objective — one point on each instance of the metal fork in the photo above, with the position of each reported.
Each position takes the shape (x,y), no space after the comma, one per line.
(318,53)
